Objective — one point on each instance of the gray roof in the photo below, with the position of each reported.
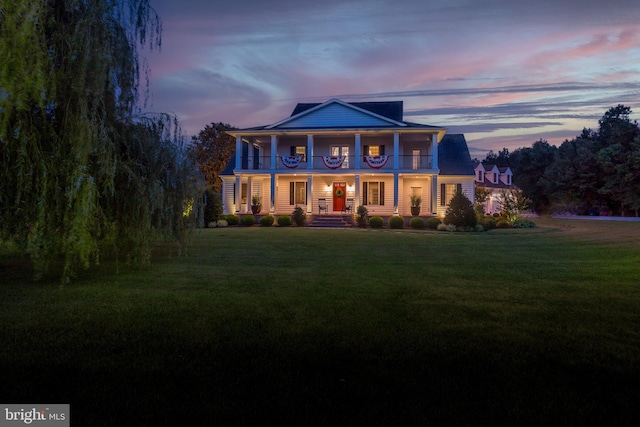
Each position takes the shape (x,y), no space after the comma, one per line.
(454,157)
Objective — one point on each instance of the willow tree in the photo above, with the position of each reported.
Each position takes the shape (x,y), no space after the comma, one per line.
(80,170)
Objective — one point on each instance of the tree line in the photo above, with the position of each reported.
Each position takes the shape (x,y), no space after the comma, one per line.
(82,173)
(595,173)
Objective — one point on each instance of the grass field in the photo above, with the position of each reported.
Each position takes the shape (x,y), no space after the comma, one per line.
(339,327)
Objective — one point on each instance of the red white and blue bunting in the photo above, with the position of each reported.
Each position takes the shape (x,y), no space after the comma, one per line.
(376,162)
(333,162)
(291,161)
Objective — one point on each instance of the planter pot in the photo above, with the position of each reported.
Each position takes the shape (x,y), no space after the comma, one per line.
(255,209)
(415,210)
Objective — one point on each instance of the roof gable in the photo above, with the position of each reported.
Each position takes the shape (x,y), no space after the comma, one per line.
(335,114)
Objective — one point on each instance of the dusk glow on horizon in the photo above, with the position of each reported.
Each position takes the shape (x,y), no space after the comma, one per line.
(504,73)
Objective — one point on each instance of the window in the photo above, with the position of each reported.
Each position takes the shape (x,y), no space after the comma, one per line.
(373,193)
(416,159)
(508,179)
(480,176)
(299,150)
(373,150)
(447,191)
(341,151)
(298,193)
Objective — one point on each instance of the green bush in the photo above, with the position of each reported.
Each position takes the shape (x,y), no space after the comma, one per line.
(362,216)
(232,219)
(503,224)
(433,223)
(222,223)
(376,222)
(266,221)
(396,222)
(417,222)
(460,211)
(446,227)
(212,206)
(284,220)
(299,217)
(488,223)
(523,223)
(247,220)
(479,227)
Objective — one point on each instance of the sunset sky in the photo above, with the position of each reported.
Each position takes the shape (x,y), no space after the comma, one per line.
(503,72)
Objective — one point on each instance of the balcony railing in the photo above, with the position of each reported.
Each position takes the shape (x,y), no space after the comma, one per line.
(406,163)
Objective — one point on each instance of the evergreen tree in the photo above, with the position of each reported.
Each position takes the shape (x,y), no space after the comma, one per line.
(460,211)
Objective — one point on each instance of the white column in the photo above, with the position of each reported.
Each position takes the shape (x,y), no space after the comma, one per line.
(309,151)
(249,192)
(272,194)
(238,193)
(238,152)
(309,194)
(396,151)
(356,196)
(395,193)
(434,151)
(434,194)
(274,152)
(357,157)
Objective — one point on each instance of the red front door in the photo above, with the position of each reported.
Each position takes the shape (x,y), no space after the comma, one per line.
(339,196)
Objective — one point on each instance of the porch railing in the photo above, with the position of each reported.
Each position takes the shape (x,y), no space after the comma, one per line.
(406,163)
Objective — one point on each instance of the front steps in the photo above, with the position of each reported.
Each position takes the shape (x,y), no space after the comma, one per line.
(331,221)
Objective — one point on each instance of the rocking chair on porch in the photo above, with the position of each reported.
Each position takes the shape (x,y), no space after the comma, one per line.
(348,206)
(322,206)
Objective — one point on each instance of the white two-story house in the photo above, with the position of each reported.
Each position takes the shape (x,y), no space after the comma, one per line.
(334,156)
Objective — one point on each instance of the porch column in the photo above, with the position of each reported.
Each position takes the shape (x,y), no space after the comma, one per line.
(395,193)
(309,194)
(238,152)
(396,151)
(434,194)
(238,191)
(356,162)
(309,151)
(249,192)
(272,195)
(356,195)
(434,151)
(274,152)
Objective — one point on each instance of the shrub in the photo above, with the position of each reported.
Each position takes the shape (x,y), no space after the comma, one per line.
(212,206)
(417,222)
(460,211)
(488,223)
(446,227)
(232,219)
(479,227)
(247,220)
(433,223)
(523,223)
(376,222)
(496,215)
(222,223)
(503,224)
(362,216)
(284,220)
(396,222)
(266,221)
(299,217)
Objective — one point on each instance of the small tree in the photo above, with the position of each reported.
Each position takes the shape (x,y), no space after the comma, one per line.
(482,195)
(512,204)
(460,211)
(362,216)
(299,217)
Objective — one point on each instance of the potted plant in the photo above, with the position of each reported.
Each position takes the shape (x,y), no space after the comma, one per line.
(256,204)
(416,201)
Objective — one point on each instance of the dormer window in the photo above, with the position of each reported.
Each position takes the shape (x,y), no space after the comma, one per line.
(480,176)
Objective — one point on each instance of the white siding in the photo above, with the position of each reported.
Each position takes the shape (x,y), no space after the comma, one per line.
(334,115)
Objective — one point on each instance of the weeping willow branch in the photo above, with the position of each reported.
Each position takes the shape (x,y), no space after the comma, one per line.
(80,171)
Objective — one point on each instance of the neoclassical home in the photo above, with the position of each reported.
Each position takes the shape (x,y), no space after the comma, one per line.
(331,157)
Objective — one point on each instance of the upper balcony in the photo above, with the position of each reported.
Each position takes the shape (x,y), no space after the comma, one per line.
(337,164)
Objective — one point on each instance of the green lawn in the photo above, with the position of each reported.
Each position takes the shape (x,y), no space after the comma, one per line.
(340,327)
